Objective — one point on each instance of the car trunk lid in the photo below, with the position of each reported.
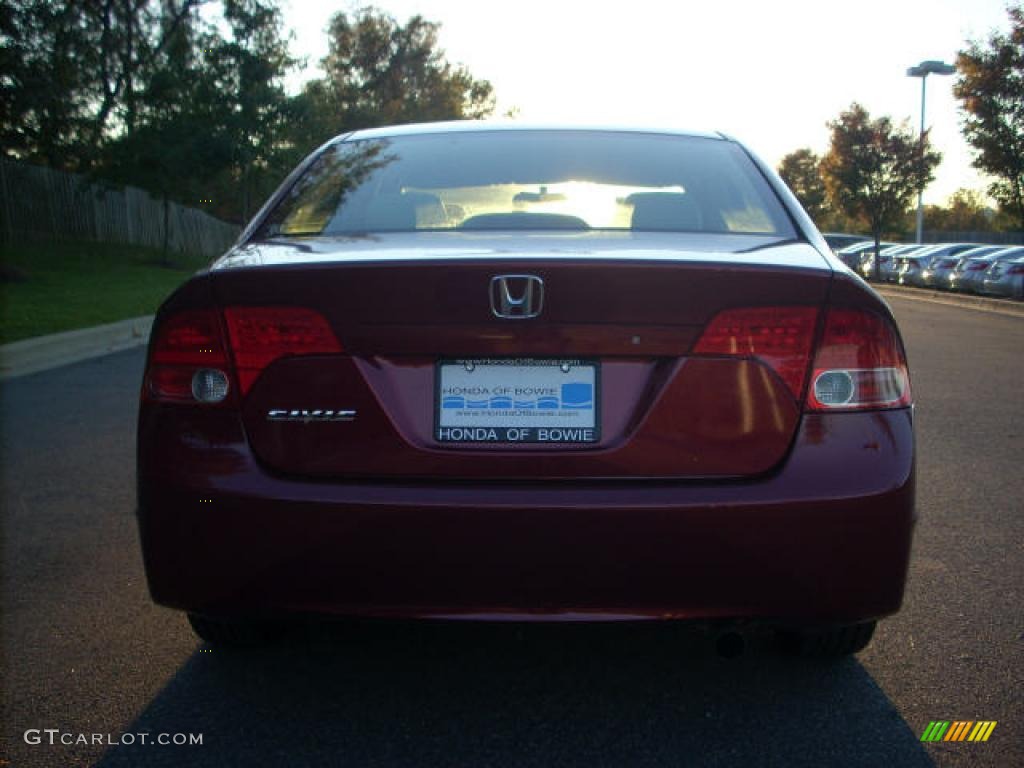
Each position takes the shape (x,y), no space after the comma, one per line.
(625,318)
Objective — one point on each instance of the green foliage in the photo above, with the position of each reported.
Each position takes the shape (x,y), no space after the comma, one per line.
(192,106)
(212,114)
(799,169)
(39,116)
(990,87)
(381,72)
(874,169)
(73,70)
(965,211)
(252,66)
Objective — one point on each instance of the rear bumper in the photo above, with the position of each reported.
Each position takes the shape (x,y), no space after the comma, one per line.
(825,538)
(913,278)
(1004,288)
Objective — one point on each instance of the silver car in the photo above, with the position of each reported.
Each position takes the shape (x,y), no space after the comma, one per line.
(911,262)
(910,268)
(936,274)
(969,276)
(866,268)
(853,255)
(887,261)
(1005,278)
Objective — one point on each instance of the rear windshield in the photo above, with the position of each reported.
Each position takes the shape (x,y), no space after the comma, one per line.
(530,180)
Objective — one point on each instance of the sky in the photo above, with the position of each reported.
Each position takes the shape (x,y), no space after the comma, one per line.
(772,74)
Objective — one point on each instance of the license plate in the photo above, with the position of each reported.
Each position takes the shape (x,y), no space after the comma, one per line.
(518,401)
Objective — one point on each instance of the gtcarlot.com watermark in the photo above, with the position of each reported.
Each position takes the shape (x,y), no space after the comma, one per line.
(55,736)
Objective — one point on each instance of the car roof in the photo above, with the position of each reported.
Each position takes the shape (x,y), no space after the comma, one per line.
(478,126)
(1001,255)
(1008,251)
(964,247)
(980,250)
(857,247)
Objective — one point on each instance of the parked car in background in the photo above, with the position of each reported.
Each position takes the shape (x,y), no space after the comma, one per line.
(463,371)
(910,268)
(855,256)
(900,263)
(968,276)
(936,274)
(852,255)
(1004,278)
(886,261)
(837,241)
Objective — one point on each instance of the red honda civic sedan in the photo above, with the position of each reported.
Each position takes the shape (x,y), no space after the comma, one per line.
(469,371)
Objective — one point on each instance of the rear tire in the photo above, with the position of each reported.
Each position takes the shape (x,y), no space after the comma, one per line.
(832,643)
(233,633)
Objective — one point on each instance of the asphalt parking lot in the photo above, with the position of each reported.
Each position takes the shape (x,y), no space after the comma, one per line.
(85,652)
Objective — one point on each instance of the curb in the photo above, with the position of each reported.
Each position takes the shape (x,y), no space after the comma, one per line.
(1007,307)
(41,353)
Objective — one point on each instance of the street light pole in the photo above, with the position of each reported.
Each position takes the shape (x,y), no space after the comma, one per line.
(922,70)
(920,191)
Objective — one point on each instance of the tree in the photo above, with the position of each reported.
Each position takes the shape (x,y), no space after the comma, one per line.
(72,71)
(250,68)
(800,170)
(39,111)
(149,93)
(179,140)
(874,169)
(211,119)
(381,72)
(192,106)
(990,87)
(965,211)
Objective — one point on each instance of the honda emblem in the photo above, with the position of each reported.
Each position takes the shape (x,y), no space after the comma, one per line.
(517,297)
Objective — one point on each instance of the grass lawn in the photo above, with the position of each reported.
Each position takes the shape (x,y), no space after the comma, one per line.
(60,287)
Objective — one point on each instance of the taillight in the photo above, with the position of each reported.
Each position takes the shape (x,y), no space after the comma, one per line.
(948,263)
(1016,269)
(781,337)
(188,361)
(261,335)
(191,361)
(977,266)
(859,364)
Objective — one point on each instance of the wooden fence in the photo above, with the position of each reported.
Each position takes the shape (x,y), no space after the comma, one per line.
(39,204)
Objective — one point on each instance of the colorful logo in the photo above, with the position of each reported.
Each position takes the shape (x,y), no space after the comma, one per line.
(574,396)
(958,730)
